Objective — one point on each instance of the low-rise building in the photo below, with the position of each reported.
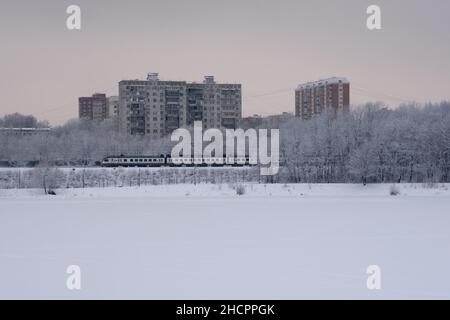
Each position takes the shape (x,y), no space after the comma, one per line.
(24,131)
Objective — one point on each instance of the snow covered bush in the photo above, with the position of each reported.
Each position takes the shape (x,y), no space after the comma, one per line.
(240,190)
(47,178)
(430,185)
(394,190)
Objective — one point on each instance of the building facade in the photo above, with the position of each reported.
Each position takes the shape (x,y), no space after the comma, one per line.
(113,107)
(266,122)
(93,108)
(314,97)
(156,108)
(24,132)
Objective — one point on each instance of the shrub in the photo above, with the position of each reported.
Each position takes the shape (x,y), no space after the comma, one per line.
(240,190)
(394,190)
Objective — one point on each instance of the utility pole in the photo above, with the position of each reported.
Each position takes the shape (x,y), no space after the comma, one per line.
(139,177)
(84,169)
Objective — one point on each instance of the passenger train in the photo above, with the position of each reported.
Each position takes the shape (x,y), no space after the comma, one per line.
(168,161)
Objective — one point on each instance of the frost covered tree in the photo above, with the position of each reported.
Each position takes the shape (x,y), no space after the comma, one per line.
(17,120)
(371,143)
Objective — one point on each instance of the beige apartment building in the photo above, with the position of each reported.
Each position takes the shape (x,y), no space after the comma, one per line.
(156,108)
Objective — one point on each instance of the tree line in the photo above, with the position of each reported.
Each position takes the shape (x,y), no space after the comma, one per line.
(369,144)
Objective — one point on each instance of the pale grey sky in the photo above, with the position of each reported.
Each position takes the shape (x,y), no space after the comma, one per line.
(268,46)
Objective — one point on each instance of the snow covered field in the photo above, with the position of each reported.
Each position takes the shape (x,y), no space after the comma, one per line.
(206,242)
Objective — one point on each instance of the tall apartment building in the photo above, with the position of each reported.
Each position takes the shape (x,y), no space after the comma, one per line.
(156,108)
(93,108)
(314,97)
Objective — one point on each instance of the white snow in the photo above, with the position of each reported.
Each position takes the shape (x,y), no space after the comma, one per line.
(206,242)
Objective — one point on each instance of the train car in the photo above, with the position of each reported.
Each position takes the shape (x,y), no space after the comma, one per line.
(135,161)
(168,161)
(208,162)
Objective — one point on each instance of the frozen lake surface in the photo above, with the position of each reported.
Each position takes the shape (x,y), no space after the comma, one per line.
(205,242)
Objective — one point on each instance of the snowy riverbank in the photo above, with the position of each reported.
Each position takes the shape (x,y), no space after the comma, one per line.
(252,190)
(206,242)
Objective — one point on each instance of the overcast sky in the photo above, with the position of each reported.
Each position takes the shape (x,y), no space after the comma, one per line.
(268,46)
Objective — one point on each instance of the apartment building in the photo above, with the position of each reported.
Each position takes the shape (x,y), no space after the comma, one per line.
(93,108)
(314,97)
(156,108)
(113,107)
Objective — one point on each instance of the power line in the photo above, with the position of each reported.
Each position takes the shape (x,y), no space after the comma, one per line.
(360,90)
(66,105)
(272,93)
(357,87)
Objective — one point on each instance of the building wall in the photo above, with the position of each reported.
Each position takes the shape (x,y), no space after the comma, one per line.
(24,131)
(315,97)
(93,108)
(151,108)
(156,108)
(113,107)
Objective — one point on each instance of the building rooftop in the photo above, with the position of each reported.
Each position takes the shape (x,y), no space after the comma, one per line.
(333,80)
(25,129)
(154,78)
